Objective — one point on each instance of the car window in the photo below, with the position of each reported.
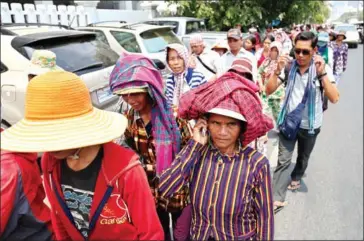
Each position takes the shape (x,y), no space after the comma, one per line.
(195,26)
(3,68)
(156,40)
(345,28)
(186,41)
(127,41)
(99,35)
(79,55)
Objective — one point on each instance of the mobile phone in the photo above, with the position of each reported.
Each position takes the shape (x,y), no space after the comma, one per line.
(203,132)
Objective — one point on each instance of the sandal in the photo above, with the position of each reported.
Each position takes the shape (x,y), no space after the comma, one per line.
(278,207)
(294,186)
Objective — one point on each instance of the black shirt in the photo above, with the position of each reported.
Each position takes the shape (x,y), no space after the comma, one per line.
(78,188)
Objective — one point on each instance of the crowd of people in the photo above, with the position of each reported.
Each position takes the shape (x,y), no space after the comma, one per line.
(186,158)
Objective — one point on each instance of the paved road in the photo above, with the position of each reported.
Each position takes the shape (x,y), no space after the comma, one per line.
(330,204)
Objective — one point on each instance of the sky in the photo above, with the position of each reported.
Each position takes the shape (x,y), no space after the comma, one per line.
(340,7)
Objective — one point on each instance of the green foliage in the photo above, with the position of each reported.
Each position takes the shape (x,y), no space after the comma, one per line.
(224,14)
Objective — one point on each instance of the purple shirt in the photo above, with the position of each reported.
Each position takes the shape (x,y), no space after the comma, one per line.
(231,197)
(340,57)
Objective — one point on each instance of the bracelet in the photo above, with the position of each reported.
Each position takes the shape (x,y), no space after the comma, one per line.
(321,75)
(277,73)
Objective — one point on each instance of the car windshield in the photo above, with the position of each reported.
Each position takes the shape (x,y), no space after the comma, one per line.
(156,40)
(345,28)
(195,26)
(78,55)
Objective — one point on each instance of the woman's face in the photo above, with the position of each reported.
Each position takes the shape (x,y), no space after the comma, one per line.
(340,37)
(274,53)
(248,45)
(175,62)
(138,101)
(278,37)
(267,43)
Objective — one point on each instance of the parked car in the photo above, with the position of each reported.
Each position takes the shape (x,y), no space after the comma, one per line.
(181,25)
(149,40)
(78,52)
(352,35)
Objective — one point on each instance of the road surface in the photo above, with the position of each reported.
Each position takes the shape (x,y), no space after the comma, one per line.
(329,205)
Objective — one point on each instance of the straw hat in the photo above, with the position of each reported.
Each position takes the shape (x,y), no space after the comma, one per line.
(59,116)
(43,61)
(220,45)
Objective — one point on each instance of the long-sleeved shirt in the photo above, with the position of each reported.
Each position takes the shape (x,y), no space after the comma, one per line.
(231,197)
(340,57)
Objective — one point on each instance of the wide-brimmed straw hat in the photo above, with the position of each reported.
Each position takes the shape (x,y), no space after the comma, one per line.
(42,61)
(59,116)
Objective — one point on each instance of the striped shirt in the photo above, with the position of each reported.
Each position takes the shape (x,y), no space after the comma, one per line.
(196,80)
(231,197)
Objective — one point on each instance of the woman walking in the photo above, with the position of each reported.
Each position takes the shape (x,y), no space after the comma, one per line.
(97,189)
(152,132)
(262,53)
(340,55)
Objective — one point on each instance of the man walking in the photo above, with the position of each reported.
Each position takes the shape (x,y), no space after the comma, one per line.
(237,51)
(208,62)
(302,105)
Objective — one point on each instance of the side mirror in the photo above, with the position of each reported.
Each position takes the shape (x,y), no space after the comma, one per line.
(160,65)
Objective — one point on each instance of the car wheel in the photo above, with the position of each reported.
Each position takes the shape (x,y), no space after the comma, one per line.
(4,125)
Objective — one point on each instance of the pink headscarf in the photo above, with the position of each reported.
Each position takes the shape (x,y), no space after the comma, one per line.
(178,77)
(270,65)
(196,39)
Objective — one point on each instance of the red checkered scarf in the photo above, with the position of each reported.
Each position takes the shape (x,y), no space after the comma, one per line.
(217,93)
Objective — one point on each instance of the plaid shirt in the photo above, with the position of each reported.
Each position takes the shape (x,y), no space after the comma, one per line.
(137,138)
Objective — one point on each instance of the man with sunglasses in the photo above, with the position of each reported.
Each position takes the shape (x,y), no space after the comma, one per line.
(237,51)
(302,76)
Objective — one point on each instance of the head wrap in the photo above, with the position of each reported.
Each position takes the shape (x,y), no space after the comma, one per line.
(135,70)
(196,39)
(229,89)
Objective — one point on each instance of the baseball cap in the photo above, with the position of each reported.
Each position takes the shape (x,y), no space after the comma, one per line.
(234,33)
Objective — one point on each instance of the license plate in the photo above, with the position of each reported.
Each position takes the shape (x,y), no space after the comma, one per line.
(104,94)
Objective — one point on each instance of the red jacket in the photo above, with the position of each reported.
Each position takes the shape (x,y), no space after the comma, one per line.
(24,216)
(122,207)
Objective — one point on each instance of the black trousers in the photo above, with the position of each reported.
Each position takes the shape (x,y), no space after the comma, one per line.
(164,219)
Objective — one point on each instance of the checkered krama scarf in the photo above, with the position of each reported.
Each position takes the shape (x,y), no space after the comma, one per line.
(134,70)
(232,92)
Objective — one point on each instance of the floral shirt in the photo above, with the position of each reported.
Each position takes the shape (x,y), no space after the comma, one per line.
(340,57)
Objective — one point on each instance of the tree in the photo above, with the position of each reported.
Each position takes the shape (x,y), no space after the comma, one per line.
(224,14)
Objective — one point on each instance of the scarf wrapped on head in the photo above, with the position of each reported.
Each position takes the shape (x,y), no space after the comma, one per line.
(135,70)
(229,89)
(269,65)
(178,77)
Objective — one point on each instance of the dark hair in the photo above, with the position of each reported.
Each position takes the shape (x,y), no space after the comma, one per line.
(319,28)
(333,35)
(302,28)
(307,36)
(252,39)
(308,26)
(270,37)
(248,76)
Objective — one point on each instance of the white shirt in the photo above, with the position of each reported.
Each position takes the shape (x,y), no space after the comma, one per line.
(213,60)
(228,58)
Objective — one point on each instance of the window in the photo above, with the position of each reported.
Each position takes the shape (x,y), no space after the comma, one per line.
(345,28)
(195,26)
(175,24)
(156,40)
(3,68)
(79,55)
(99,35)
(127,41)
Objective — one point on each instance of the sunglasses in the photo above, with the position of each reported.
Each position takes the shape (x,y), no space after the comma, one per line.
(303,51)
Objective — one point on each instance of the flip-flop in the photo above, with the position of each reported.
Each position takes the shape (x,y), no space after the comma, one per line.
(294,187)
(276,209)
